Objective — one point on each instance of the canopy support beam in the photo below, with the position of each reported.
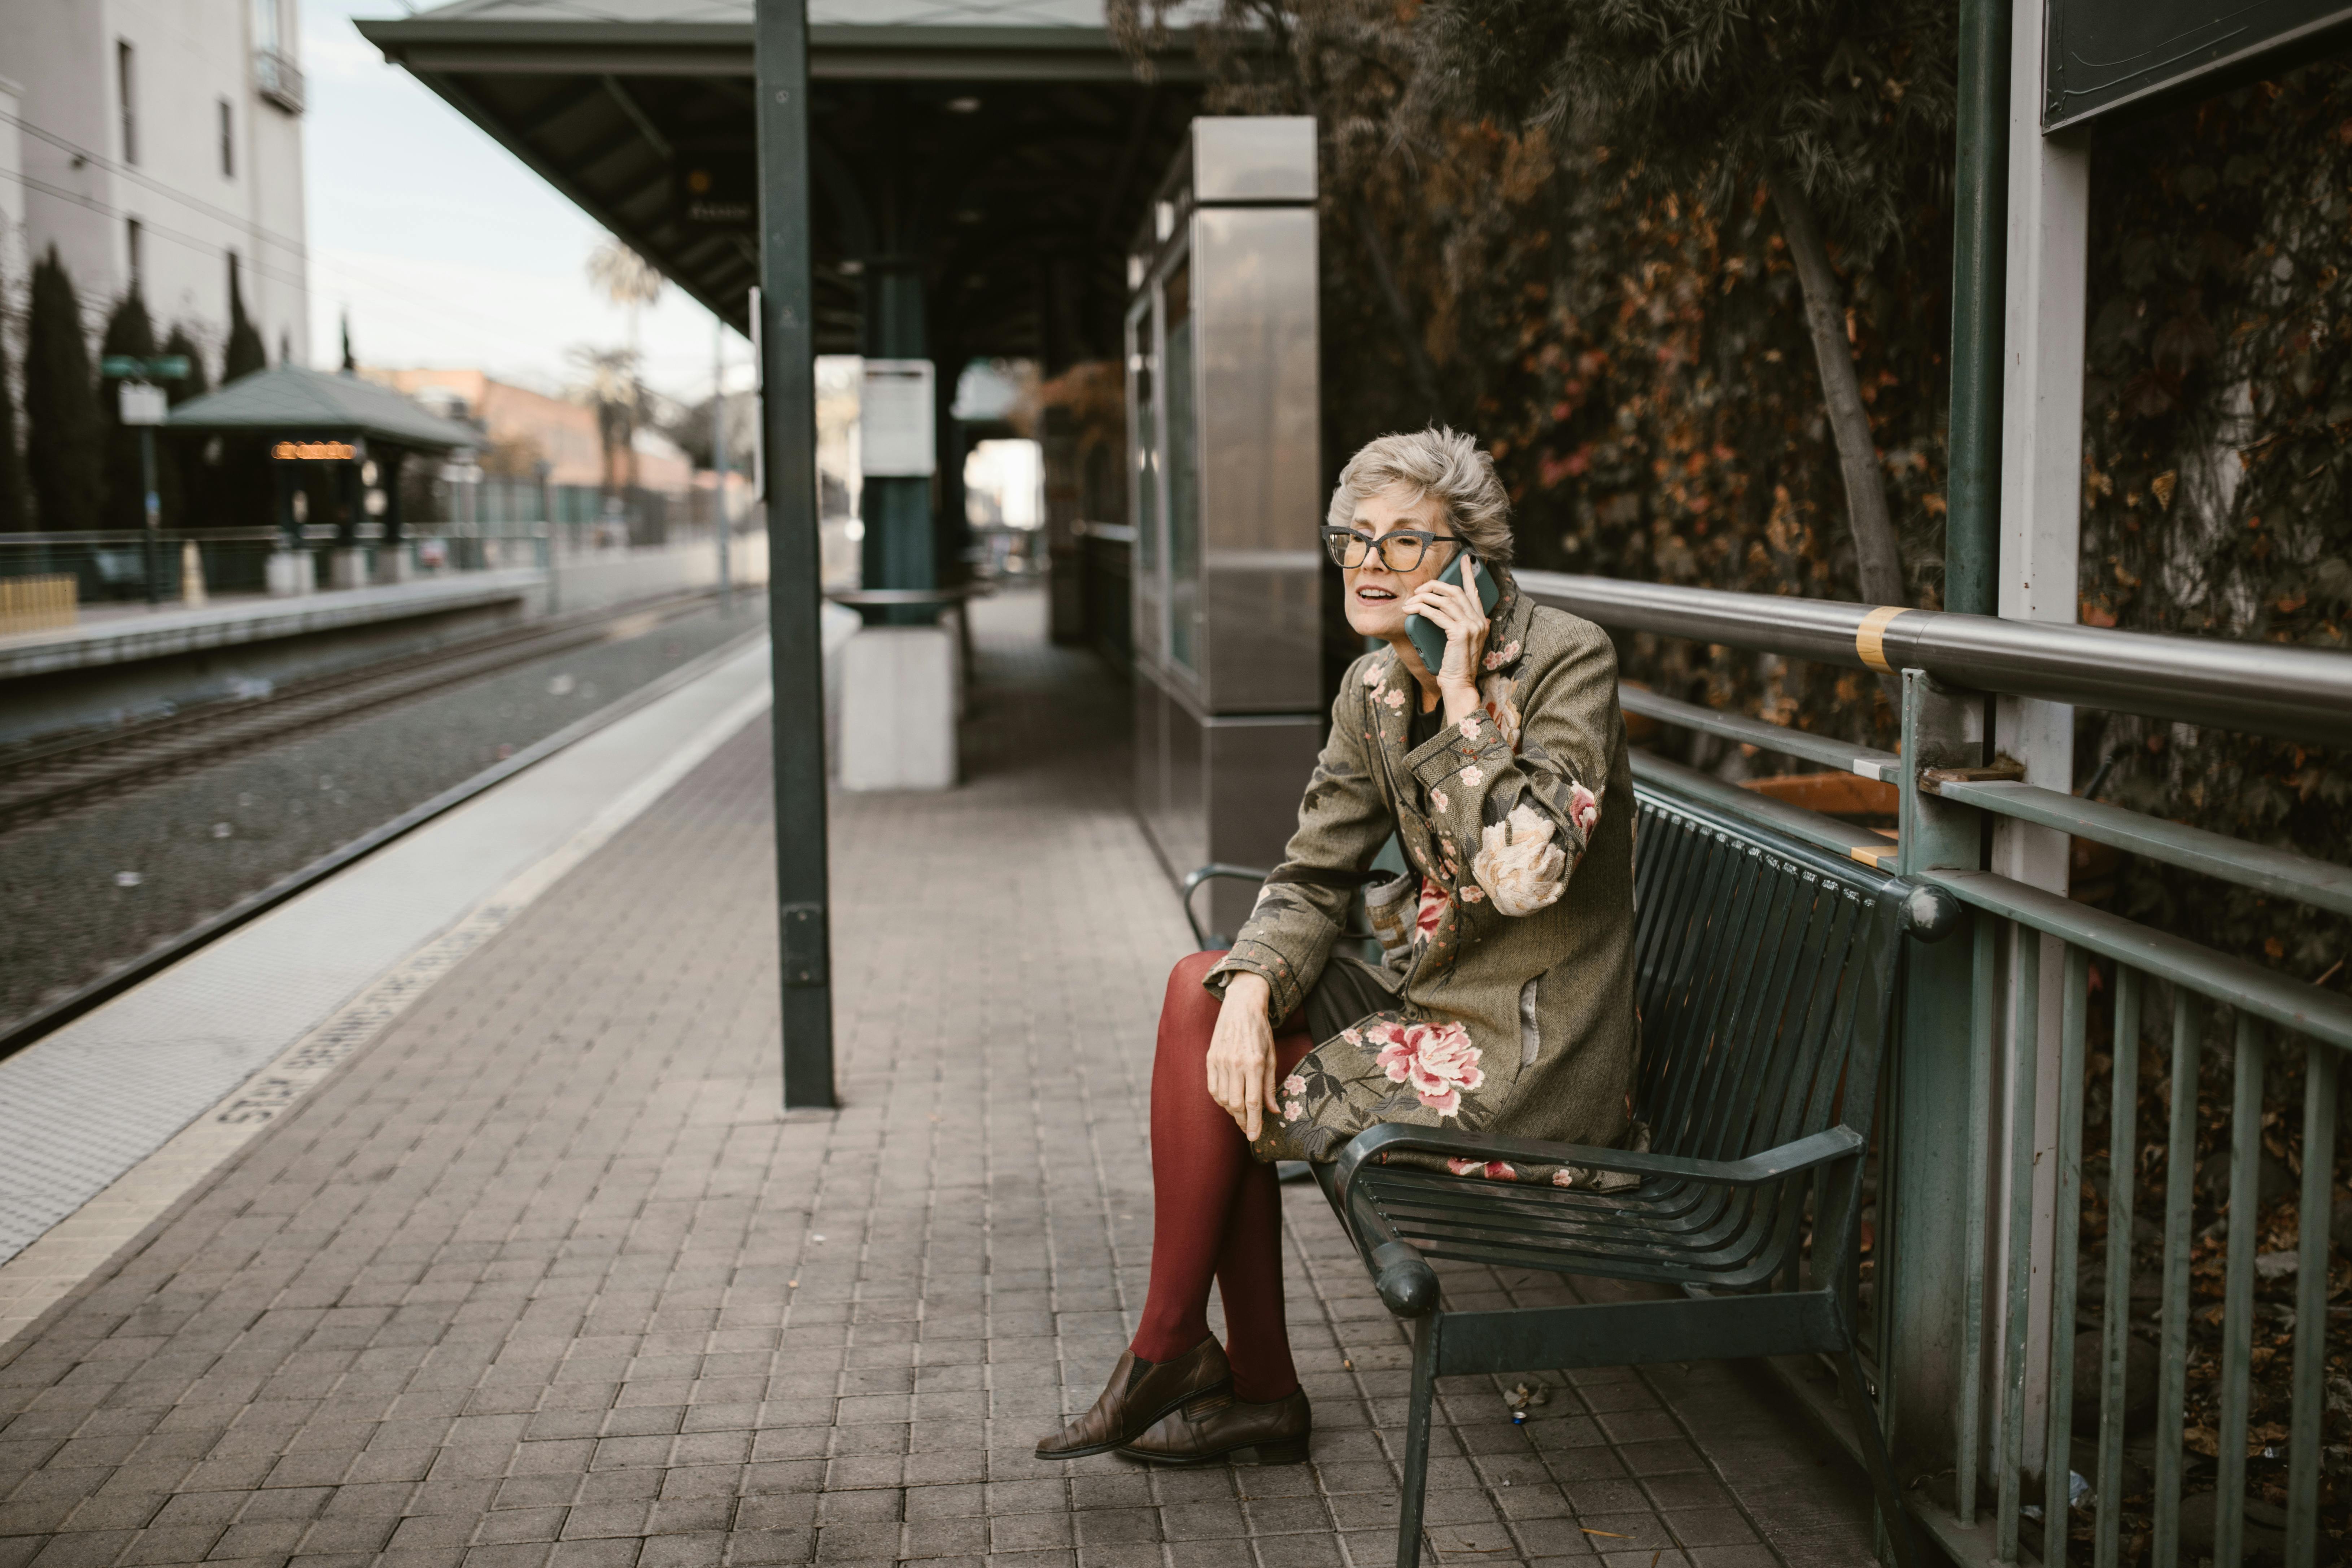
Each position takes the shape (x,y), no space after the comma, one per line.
(787,346)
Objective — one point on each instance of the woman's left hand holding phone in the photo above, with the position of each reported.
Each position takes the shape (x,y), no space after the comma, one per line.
(1456,611)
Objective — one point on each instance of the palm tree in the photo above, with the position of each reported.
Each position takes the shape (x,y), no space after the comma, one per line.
(608,383)
(626,279)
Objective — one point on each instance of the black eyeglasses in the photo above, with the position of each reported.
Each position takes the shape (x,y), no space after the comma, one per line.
(1399,550)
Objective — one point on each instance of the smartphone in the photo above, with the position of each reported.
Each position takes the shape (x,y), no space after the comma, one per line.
(1427,635)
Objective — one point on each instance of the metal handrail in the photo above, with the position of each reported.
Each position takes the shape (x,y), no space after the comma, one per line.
(2258,866)
(2257,688)
(2007,1228)
(2289,1003)
(1843,756)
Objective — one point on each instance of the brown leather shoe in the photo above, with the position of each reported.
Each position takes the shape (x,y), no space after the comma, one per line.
(1139,1394)
(1211,1426)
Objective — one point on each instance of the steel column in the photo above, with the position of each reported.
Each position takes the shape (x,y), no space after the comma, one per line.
(1930,1232)
(898,550)
(2040,534)
(1979,245)
(788,419)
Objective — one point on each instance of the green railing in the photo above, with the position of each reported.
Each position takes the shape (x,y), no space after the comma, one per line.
(1985,1282)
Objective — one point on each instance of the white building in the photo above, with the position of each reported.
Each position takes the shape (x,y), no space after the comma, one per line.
(159,141)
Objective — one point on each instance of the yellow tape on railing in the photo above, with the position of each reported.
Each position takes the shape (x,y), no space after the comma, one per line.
(1869,638)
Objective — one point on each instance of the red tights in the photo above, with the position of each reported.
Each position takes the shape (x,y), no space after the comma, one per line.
(1216,1213)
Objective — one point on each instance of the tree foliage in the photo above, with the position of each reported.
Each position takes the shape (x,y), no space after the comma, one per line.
(61,428)
(128,331)
(1821,102)
(14,503)
(2218,465)
(179,456)
(245,352)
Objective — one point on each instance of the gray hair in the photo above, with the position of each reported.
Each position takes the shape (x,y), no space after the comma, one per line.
(1437,462)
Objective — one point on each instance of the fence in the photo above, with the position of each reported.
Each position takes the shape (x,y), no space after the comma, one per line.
(102,566)
(36,604)
(2007,1252)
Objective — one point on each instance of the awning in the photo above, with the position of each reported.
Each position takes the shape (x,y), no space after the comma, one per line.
(1027,145)
(294,401)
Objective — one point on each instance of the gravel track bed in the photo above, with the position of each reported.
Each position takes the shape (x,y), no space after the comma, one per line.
(82,893)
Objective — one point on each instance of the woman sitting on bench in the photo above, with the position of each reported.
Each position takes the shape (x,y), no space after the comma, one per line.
(1504,1003)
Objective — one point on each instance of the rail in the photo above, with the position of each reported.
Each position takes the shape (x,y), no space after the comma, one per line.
(1980,1376)
(2266,688)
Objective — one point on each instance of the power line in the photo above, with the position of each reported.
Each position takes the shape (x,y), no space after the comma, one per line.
(207,247)
(147,226)
(109,165)
(441,310)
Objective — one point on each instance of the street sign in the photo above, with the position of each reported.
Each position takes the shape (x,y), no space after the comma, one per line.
(158,367)
(2109,54)
(140,404)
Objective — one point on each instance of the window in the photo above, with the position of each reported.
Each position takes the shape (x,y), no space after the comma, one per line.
(228,140)
(136,242)
(122,83)
(266,30)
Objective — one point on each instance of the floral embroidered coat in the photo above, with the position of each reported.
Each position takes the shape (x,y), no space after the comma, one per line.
(1509,948)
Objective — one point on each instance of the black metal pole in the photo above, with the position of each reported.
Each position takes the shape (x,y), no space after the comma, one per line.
(1979,297)
(788,415)
(152,507)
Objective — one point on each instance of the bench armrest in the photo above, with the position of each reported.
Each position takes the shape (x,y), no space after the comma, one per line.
(1406,1283)
(1355,931)
(1209,872)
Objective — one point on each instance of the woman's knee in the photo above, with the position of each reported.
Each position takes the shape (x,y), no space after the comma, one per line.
(1190,970)
(1188,1005)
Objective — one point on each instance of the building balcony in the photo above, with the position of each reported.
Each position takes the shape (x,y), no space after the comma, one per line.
(278,79)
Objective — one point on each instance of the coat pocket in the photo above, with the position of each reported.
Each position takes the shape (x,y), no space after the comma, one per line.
(1390,907)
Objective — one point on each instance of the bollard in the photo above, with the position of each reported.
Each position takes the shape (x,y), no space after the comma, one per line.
(191,573)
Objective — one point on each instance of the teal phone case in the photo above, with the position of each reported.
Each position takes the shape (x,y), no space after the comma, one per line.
(1428,636)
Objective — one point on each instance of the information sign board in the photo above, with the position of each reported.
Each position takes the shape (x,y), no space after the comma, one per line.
(896,433)
(161,367)
(140,404)
(2109,54)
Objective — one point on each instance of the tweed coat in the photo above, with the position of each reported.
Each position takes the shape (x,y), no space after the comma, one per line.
(1509,947)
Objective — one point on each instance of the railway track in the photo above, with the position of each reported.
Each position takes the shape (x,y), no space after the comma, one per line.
(52,780)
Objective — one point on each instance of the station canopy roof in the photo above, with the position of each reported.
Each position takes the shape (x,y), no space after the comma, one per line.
(294,400)
(1005,147)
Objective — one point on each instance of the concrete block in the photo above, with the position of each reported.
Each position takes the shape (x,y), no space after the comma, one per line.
(397,564)
(898,709)
(191,573)
(347,569)
(291,574)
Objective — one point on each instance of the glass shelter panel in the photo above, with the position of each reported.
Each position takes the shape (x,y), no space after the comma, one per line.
(1253,277)
(1183,450)
(1144,475)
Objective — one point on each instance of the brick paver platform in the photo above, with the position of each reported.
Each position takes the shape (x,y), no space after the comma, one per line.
(544,1281)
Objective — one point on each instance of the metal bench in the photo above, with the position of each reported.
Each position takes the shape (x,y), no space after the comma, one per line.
(1767,975)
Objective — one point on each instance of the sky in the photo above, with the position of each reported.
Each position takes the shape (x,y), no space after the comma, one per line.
(453,253)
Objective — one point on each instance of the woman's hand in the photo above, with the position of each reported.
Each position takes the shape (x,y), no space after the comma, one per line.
(1241,1054)
(1457,612)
